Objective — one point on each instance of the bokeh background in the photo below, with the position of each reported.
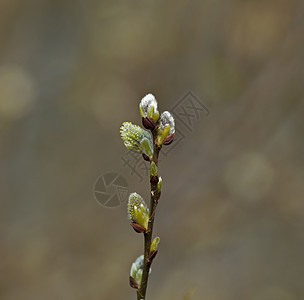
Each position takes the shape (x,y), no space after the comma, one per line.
(231,216)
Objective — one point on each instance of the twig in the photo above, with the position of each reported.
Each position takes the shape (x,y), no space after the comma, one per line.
(141,293)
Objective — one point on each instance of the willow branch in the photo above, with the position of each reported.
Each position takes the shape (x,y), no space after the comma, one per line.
(141,292)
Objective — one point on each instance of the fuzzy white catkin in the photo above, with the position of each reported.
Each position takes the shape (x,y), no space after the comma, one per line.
(167,119)
(148,101)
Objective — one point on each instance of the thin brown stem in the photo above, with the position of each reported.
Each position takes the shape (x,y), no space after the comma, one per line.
(141,292)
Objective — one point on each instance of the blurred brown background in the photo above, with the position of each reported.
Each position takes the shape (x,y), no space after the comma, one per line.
(231,216)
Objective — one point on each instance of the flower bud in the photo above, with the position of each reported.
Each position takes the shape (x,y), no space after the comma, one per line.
(166,129)
(136,272)
(136,139)
(138,212)
(148,108)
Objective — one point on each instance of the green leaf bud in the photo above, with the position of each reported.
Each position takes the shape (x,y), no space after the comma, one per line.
(153,249)
(154,244)
(153,169)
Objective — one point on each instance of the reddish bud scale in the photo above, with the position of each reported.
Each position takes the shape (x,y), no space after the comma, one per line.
(148,123)
(154,180)
(138,228)
(146,157)
(169,139)
(133,283)
(152,255)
